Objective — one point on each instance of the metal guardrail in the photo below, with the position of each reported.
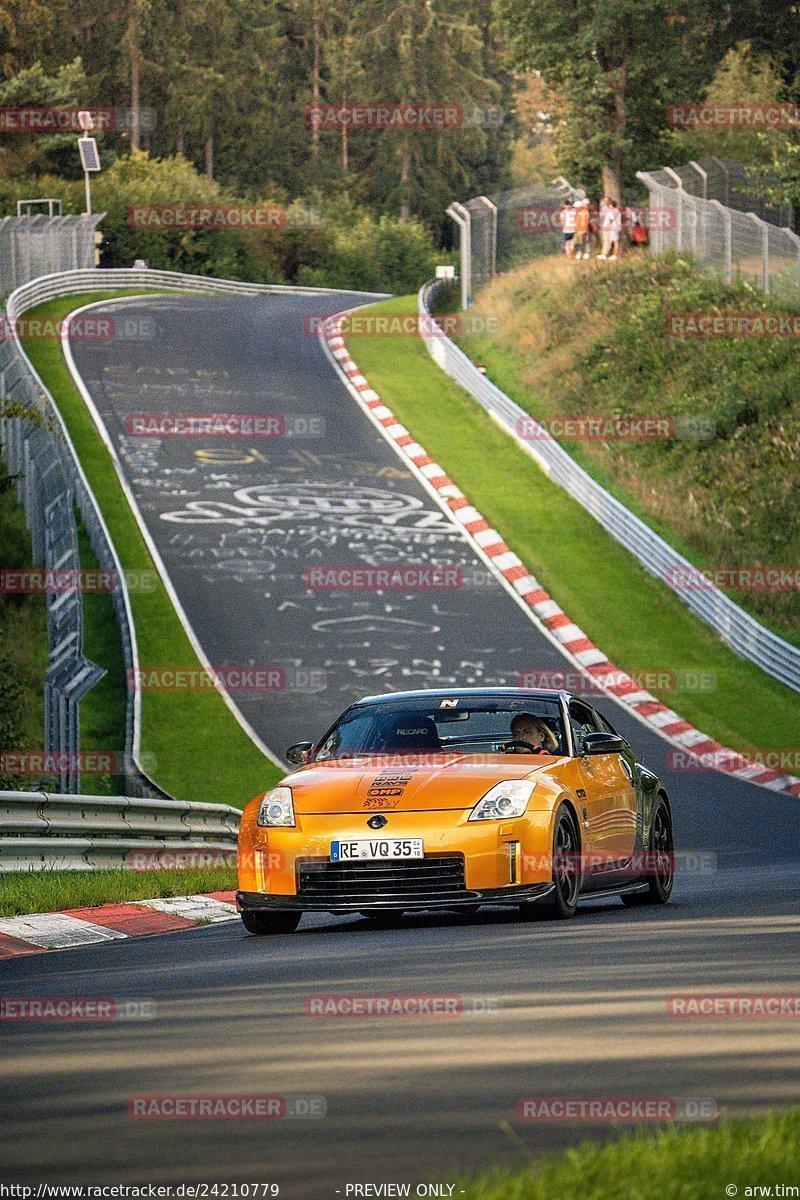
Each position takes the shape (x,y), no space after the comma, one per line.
(50,482)
(41,831)
(742,632)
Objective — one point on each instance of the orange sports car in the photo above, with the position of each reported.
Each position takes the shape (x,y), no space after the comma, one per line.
(453,799)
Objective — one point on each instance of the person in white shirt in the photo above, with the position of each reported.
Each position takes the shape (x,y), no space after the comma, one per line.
(568,227)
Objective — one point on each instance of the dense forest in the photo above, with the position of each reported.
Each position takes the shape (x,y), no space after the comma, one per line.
(221,99)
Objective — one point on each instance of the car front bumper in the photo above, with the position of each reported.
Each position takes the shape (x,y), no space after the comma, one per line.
(465,863)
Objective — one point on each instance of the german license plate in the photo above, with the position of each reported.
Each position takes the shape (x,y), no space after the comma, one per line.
(377,848)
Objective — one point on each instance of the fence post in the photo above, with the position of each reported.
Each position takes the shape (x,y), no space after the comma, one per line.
(764,249)
(493,245)
(727,220)
(462,218)
(703,175)
(727,176)
(679,200)
(795,238)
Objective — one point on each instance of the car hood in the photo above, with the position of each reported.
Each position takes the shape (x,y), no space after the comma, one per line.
(457,781)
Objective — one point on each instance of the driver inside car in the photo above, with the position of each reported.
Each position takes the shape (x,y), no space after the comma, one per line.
(536,736)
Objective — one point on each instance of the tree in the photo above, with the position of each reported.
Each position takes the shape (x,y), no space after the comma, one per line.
(742,77)
(615,68)
(427,52)
(34,87)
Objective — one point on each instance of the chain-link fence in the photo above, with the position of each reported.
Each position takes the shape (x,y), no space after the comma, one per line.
(31,246)
(735,243)
(508,228)
(732,183)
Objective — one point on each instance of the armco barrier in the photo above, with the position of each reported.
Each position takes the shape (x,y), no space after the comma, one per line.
(39,831)
(50,480)
(742,632)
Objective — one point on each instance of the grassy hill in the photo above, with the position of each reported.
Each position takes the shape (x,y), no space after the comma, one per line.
(571,339)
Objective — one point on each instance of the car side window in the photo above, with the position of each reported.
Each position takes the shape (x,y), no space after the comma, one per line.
(583,720)
(605,724)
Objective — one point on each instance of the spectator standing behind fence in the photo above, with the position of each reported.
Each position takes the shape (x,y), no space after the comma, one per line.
(616,230)
(610,229)
(567,220)
(605,232)
(638,230)
(581,239)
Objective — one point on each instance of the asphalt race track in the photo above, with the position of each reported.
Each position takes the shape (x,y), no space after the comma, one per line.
(576,1009)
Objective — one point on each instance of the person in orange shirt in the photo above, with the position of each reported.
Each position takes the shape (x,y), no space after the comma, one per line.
(581,238)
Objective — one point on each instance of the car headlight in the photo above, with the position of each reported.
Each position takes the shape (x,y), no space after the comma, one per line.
(507,799)
(276,808)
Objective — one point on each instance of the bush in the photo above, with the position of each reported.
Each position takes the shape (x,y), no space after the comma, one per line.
(325,242)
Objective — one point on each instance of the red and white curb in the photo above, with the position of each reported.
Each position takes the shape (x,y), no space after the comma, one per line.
(546,613)
(111,922)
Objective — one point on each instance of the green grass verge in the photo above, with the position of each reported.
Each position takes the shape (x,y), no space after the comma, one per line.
(674,1164)
(23,892)
(634,618)
(103,710)
(198,749)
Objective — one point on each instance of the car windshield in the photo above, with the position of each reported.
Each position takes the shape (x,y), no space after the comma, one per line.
(489,725)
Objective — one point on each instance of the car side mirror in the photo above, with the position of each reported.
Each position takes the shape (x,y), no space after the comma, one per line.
(603,743)
(300,753)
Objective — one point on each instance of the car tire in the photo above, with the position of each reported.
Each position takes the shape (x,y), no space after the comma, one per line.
(264,923)
(661,868)
(561,903)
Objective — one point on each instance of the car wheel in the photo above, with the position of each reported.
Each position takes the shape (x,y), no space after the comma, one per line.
(264,923)
(661,860)
(563,900)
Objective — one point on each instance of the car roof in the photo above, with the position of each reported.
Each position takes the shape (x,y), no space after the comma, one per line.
(467,694)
